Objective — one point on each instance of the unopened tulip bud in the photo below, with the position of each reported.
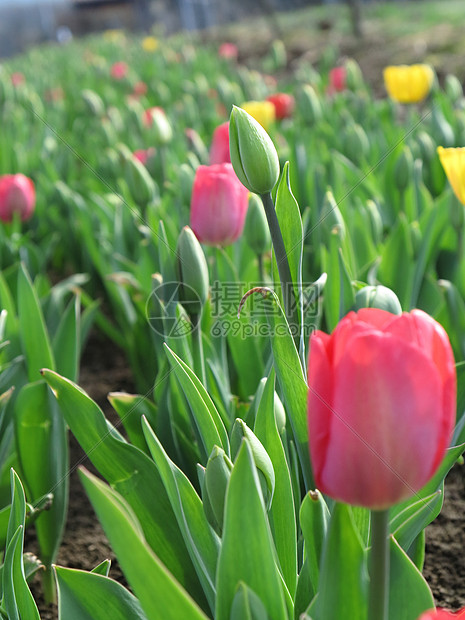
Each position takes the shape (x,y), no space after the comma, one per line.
(253,154)
(403,170)
(141,185)
(453,88)
(185,180)
(192,272)
(356,143)
(310,105)
(377,297)
(331,217)
(93,102)
(17,195)
(158,121)
(354,77)
(279,414)
(261,459)
(217,474)
(375,220)
(256,231)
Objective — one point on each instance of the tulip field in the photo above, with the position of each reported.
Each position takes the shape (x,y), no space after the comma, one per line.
(277,255)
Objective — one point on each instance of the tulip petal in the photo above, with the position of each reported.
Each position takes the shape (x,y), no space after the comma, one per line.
(385,422)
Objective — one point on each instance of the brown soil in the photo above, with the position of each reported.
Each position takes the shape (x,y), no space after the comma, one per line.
(84,546)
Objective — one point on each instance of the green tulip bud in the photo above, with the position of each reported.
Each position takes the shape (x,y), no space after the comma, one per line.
(403,169)
(279,414)
(427,146)
(217,474)
(354,77)
(331,217)
(453,88)
(192,272)
(442,130)
(310,105)
(141,185)
(253,154)
(378,296)
(375,220)
(160,127)
(356,143)
(241,431)
(92,102)
(256,229)
(186,179)
(278,54)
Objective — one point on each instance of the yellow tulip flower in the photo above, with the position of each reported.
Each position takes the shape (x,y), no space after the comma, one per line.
(408,83)
(150,44)
(262,111)
(453,162)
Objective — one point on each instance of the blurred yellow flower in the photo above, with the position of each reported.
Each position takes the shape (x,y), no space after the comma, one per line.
(408,83)
(453,162)
(150,44)
(115,36)
(262,111)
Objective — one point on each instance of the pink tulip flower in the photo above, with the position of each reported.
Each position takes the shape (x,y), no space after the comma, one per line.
(337,80)
(140,88)
(283,105)
(219,150)
(381,405)
(143,155)
(218,205)
(17,79)
(228,50)
(17,195)
(443,614)
(119,70)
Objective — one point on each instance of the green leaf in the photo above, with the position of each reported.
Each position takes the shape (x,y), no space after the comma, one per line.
(34,335)
(42,446)
(132,474)
(103,568)
(201,541)
(247,606)
(408,524)
(343,579)
(90,596)
(281,514)
(396,269)
(17,601)
(291,380)
(290,223)
(314,519)
(67,341)
(130,409)
(161,596)
(339,293)
(205,416)
(409,594)
(247,553)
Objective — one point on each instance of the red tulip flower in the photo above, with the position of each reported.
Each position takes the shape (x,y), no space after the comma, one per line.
(119,70)
(140,88)
(219,150)
(17,79)
(143,155)
(150,113)
(228,50)
(218,205)
(283,105)
(337,80)
(381,405)
(17,195)
(443,614)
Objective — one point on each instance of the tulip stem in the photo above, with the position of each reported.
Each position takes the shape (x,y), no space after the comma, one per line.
(197,349)
(261,271)
(287,287)
(379,566)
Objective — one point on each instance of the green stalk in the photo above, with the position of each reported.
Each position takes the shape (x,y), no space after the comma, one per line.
(261,271)
(290,307)
(378,600)
(197,349)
